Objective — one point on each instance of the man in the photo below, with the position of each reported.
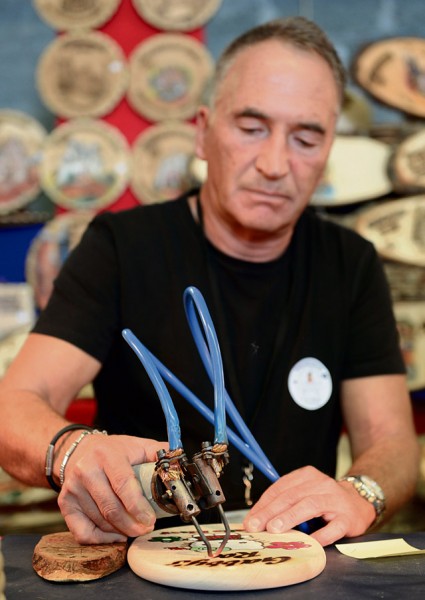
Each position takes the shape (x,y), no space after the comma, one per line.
(301,307)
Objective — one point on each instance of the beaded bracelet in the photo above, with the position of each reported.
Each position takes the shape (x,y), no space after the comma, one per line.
(71,449)
(51,449)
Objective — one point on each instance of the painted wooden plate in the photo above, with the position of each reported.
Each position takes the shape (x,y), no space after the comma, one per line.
(74,14)
(21,140)
(407,165)
(393,71)
(169,73)
(356,171)
(82,74)
(176,557)
(410,317)
(396,228)
(162,154)
(86,164)
(178,15)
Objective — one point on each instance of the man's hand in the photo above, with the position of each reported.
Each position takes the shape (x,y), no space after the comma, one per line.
(306,494)
(101,499)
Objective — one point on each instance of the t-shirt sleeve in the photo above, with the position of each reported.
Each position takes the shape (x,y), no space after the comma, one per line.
(84,305)
(373,341)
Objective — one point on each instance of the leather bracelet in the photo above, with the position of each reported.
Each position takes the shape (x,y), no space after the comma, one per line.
(72,448)
(51,449)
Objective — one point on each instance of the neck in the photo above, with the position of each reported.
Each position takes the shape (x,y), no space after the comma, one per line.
(234,240)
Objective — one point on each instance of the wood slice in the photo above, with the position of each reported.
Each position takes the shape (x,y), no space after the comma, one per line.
(178,15)
(250,561)
(58,557)
(408,163)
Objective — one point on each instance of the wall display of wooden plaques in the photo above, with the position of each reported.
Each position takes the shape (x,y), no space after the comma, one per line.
(410,317)
(396,228)
(177,15)
(250,561)
(49,250)
(82,74)
(21,140)
(407,165)
(356,171)
(86,164)
(64,15)
(161,157)
(393,71)
(168,76)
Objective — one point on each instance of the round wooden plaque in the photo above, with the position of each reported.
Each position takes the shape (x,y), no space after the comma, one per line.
(21,140)
(356,171)
(250,561)
(396,228)
(82,74)
(177,15)
(86,164)
(392,70)
(49,250)
(64,15)
(407,165)
(168,76)
(161,157)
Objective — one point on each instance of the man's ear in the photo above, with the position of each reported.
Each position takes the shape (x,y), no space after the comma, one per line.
(202,119)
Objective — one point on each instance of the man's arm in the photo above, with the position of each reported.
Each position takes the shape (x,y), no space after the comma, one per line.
(379,420)
(101,499)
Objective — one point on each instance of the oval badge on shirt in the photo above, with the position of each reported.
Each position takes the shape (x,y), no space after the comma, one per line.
(310,383)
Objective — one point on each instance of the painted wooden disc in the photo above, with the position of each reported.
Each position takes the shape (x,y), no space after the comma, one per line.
(49,250)
(86,164)
(64,15)
(396,228)
(393,71)
(168,76)
(21,140)
(408,163)
(161,155)
(250,561)
(410,317)
(177,15)
(356,171)
(82,74)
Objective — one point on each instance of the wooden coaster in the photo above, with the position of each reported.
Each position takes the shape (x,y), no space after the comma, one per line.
(250,561)
(168,76)
(21,139)
(58,557)
(50,248)
(82,74)
(86,164)
(392,71)
(407,165)
(396,228)
(162,154)
(356,171)
(410,317)
(74,14)
(178,15)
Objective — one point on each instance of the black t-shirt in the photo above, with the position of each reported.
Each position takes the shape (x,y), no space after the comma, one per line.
(325,299)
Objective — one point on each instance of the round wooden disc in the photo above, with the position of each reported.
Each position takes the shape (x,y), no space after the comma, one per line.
(356,171)
(396,228)
(73,14)
(86,164)
(410,317)
(162,155)
(49,250)
(58,557)
(392,71)
(178,15)
(168,76)
(250,561)
(408,163)
(21,139)
(82,74)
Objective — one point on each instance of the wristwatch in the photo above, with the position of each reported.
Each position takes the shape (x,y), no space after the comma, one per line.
(370,491)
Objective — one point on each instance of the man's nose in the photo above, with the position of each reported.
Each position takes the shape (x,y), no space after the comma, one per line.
(273,157)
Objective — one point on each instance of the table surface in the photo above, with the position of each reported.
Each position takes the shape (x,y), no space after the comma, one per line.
(343,577)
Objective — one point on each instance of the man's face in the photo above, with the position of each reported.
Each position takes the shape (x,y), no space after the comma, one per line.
(267,138)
